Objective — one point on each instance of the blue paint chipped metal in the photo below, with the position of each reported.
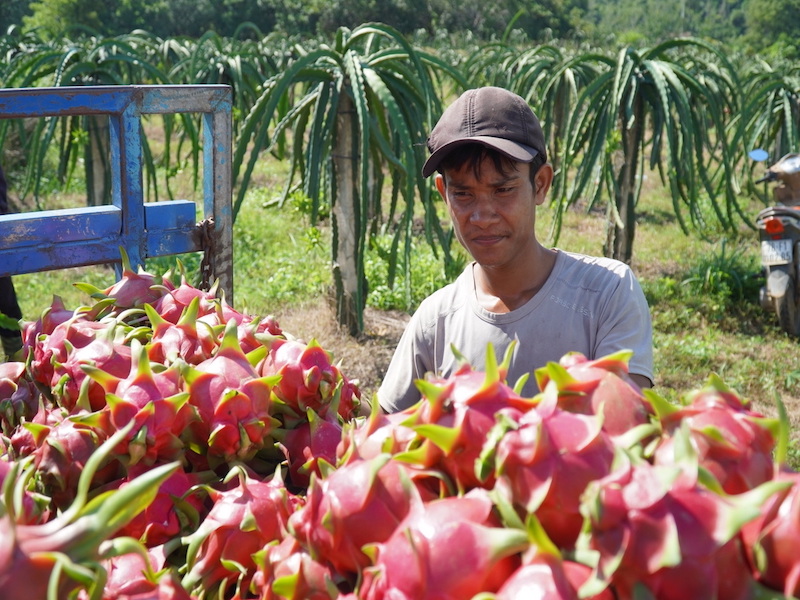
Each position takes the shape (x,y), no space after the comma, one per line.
(47,240)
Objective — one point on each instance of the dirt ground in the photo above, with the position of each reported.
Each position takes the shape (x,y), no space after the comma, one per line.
(365,358)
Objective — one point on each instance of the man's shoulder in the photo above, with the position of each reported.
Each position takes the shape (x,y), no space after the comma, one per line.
(588,261)
(584,267)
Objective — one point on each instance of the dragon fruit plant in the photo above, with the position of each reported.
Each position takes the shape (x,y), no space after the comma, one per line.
(158,444)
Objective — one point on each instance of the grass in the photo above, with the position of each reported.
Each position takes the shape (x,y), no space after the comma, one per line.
(702,293)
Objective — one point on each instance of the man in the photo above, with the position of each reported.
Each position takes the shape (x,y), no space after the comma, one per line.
(11,339)
(489,151)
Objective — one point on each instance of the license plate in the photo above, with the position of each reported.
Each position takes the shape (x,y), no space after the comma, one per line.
(776,252)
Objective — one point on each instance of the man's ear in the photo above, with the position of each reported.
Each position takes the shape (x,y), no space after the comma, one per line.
(542,182)
(439,180)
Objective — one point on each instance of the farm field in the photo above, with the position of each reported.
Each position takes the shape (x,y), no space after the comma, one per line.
(703,294)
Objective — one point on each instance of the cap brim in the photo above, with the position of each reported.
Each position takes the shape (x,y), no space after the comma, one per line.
(513,150)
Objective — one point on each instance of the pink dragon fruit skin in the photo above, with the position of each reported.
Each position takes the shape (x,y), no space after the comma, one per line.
(733,443)
(136,288)
(34,509)
(171,306)
(308,379)
(260,333)
(62,455)
(160,521)
(658,532)
(367,438)
(233,403)
(58,358)
(52,316)
(771,539)
(127,578)
(133,289)
(601,386)
(30,554)
(154,400)
(188,339)
(19,397)
(288,572)
(548,578)
(359,503)
(546,462)
(127,574)
(456,415)
(240,523)
(307,444)
(449,549)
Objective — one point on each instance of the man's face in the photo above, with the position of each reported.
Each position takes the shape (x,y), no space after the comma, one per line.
(494,213)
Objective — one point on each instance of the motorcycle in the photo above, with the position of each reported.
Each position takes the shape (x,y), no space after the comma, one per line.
(779,235)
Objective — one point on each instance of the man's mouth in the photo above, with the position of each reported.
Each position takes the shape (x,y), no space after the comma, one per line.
(487,240)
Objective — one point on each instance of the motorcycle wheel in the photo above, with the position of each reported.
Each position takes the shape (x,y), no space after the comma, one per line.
(788,311)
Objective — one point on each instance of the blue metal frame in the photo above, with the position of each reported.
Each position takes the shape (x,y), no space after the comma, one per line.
(46,240)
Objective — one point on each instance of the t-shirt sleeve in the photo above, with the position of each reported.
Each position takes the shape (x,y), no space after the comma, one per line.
(627,325)
(412,359)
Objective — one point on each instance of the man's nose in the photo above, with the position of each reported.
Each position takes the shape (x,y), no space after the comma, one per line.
(483,210)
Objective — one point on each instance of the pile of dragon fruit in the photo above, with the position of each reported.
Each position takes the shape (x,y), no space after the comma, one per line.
(158,444)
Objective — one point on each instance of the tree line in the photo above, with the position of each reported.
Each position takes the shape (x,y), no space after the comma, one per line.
(758,25)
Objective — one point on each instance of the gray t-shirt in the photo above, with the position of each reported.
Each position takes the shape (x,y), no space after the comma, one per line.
(591,305)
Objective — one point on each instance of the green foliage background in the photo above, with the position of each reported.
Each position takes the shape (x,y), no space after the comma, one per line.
(756,24)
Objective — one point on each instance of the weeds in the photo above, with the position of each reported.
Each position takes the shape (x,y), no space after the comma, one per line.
(725,274)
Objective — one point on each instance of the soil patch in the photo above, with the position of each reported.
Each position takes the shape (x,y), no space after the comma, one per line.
(364,358)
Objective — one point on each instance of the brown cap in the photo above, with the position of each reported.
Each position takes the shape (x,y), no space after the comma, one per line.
(491,116)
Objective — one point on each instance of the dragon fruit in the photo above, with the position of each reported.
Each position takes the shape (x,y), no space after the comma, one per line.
(35,558)
(359,503)
(546,577)
(173,511)
(63,451)
(172,304)
(771,538)
(129,575)
(189,340)
(288,572)
(446,549)
(152,399)
(136,574)
(657,531)
(133,289)
(241,522)
(263,332)
(308,379)
(19,397)
(378,434)
(54,315)
(232,402)
(30,508)
(734,443)
(309,444)
(601,386)
(544,462)
(455,416)
(96,343)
